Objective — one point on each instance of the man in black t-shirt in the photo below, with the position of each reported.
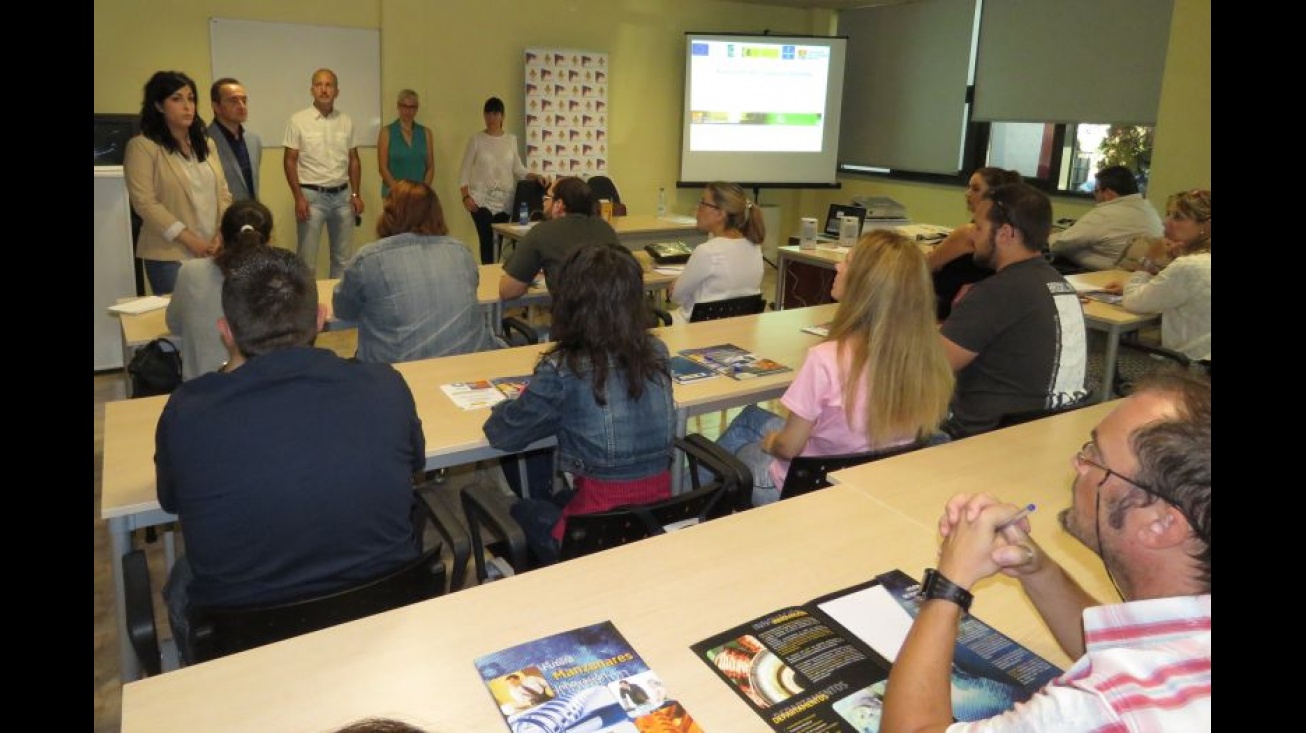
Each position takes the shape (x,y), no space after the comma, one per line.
(1017,340)
(568,225)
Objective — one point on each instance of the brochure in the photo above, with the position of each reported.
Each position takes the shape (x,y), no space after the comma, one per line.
(511,387)
(669,253)
(733,361)
(1103,296)
(587,679)
(820,329)
(473,395)
(685,370)
(823,665)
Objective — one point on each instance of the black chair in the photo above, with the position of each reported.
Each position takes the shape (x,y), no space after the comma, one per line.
(744,305)
(487,508)
(602,187)
(1020,417)
(517,332)
(216,632)
(1136,358)
(531,193)
(808,473)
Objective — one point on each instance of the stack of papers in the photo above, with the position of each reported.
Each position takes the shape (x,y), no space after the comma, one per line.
(140,305)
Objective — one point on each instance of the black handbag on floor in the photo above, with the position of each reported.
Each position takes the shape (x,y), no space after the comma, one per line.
(155,368)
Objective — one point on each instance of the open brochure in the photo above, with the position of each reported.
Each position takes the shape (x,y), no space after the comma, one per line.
(733,361)
(587,679)
(485,392)
(823,666)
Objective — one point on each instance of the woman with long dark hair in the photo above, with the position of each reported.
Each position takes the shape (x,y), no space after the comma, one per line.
(174,180)
(603,389)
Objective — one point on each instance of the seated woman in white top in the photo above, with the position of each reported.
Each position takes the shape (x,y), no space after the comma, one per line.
(1175,279)
(730,263)
(196,303)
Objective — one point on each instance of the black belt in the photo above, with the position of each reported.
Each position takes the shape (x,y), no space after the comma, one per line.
(324,189)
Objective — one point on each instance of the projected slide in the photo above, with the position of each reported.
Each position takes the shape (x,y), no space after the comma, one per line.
(756,96)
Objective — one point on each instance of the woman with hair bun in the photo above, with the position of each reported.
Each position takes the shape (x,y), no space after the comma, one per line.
(730,263)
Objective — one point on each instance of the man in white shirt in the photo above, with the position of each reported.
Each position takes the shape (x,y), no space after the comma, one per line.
(1100,237)
(323,170)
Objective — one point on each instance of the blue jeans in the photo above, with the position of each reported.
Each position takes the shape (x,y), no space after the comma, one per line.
(334,210)
(743,439)
(162,275)
(175,596)
(537,517)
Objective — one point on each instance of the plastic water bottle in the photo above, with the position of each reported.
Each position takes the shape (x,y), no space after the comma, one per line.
(523,214)
(662,202)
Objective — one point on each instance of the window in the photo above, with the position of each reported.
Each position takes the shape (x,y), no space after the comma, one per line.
(1063,158)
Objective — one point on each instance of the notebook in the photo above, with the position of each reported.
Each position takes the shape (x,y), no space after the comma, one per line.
(837,212)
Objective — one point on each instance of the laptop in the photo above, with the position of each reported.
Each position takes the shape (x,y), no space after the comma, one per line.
(836,212)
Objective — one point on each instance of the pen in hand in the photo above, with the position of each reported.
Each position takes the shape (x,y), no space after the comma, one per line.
(1009,521)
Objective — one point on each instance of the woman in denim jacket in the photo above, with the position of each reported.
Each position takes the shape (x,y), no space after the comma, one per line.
(603,389)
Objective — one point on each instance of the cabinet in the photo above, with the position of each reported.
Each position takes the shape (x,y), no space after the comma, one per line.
(115,276)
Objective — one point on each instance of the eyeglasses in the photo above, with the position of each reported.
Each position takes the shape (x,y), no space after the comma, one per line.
(408,106)
(709,205)
(547,197)
(1089,455)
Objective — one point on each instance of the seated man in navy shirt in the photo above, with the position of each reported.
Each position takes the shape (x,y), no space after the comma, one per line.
(291,469)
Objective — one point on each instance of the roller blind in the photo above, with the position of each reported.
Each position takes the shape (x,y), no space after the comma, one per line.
(1098,61)
(904,103)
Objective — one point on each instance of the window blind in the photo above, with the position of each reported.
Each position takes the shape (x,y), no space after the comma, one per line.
(904,103)
(1095,61)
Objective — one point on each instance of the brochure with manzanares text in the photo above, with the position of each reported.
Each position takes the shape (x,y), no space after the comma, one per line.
(588,679)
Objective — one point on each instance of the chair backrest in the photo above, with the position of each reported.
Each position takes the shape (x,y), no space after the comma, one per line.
(530,191)
(744,305)
(139,605)
(808,473)
(218,632)
(597,531)
(1023,416)
(602,187)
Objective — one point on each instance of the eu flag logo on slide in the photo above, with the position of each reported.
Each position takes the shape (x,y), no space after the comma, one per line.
(698,49)
(787,53)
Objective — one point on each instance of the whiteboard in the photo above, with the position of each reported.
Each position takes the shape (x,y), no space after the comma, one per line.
(276,61)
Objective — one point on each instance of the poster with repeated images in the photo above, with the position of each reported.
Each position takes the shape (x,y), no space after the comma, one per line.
(566,112)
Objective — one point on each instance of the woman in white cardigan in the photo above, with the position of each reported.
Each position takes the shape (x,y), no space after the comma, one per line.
(1175,278)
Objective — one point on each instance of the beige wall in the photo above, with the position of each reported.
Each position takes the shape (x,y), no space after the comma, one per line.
(457,53)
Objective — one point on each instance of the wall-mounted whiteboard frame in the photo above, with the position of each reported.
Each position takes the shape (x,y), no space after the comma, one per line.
(275,62)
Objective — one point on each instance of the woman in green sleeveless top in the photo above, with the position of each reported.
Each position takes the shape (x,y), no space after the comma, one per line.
(404,151)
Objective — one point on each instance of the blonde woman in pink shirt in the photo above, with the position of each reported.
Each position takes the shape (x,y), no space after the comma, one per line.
(879,380)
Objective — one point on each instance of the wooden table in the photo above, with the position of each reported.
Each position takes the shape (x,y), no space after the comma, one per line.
(487,293)
(1113,319)
(633,231)
(1021,464)
(129,501)
(804,276)
(663,594)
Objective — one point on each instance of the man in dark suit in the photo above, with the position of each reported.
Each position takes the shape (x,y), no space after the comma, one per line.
(239,149)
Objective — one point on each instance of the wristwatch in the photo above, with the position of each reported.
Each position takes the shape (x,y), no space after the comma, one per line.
(353,195)
(936,586)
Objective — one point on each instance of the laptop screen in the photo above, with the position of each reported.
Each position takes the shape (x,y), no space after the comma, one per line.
(838,211)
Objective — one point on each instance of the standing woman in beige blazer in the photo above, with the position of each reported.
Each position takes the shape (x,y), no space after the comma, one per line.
(174,180)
